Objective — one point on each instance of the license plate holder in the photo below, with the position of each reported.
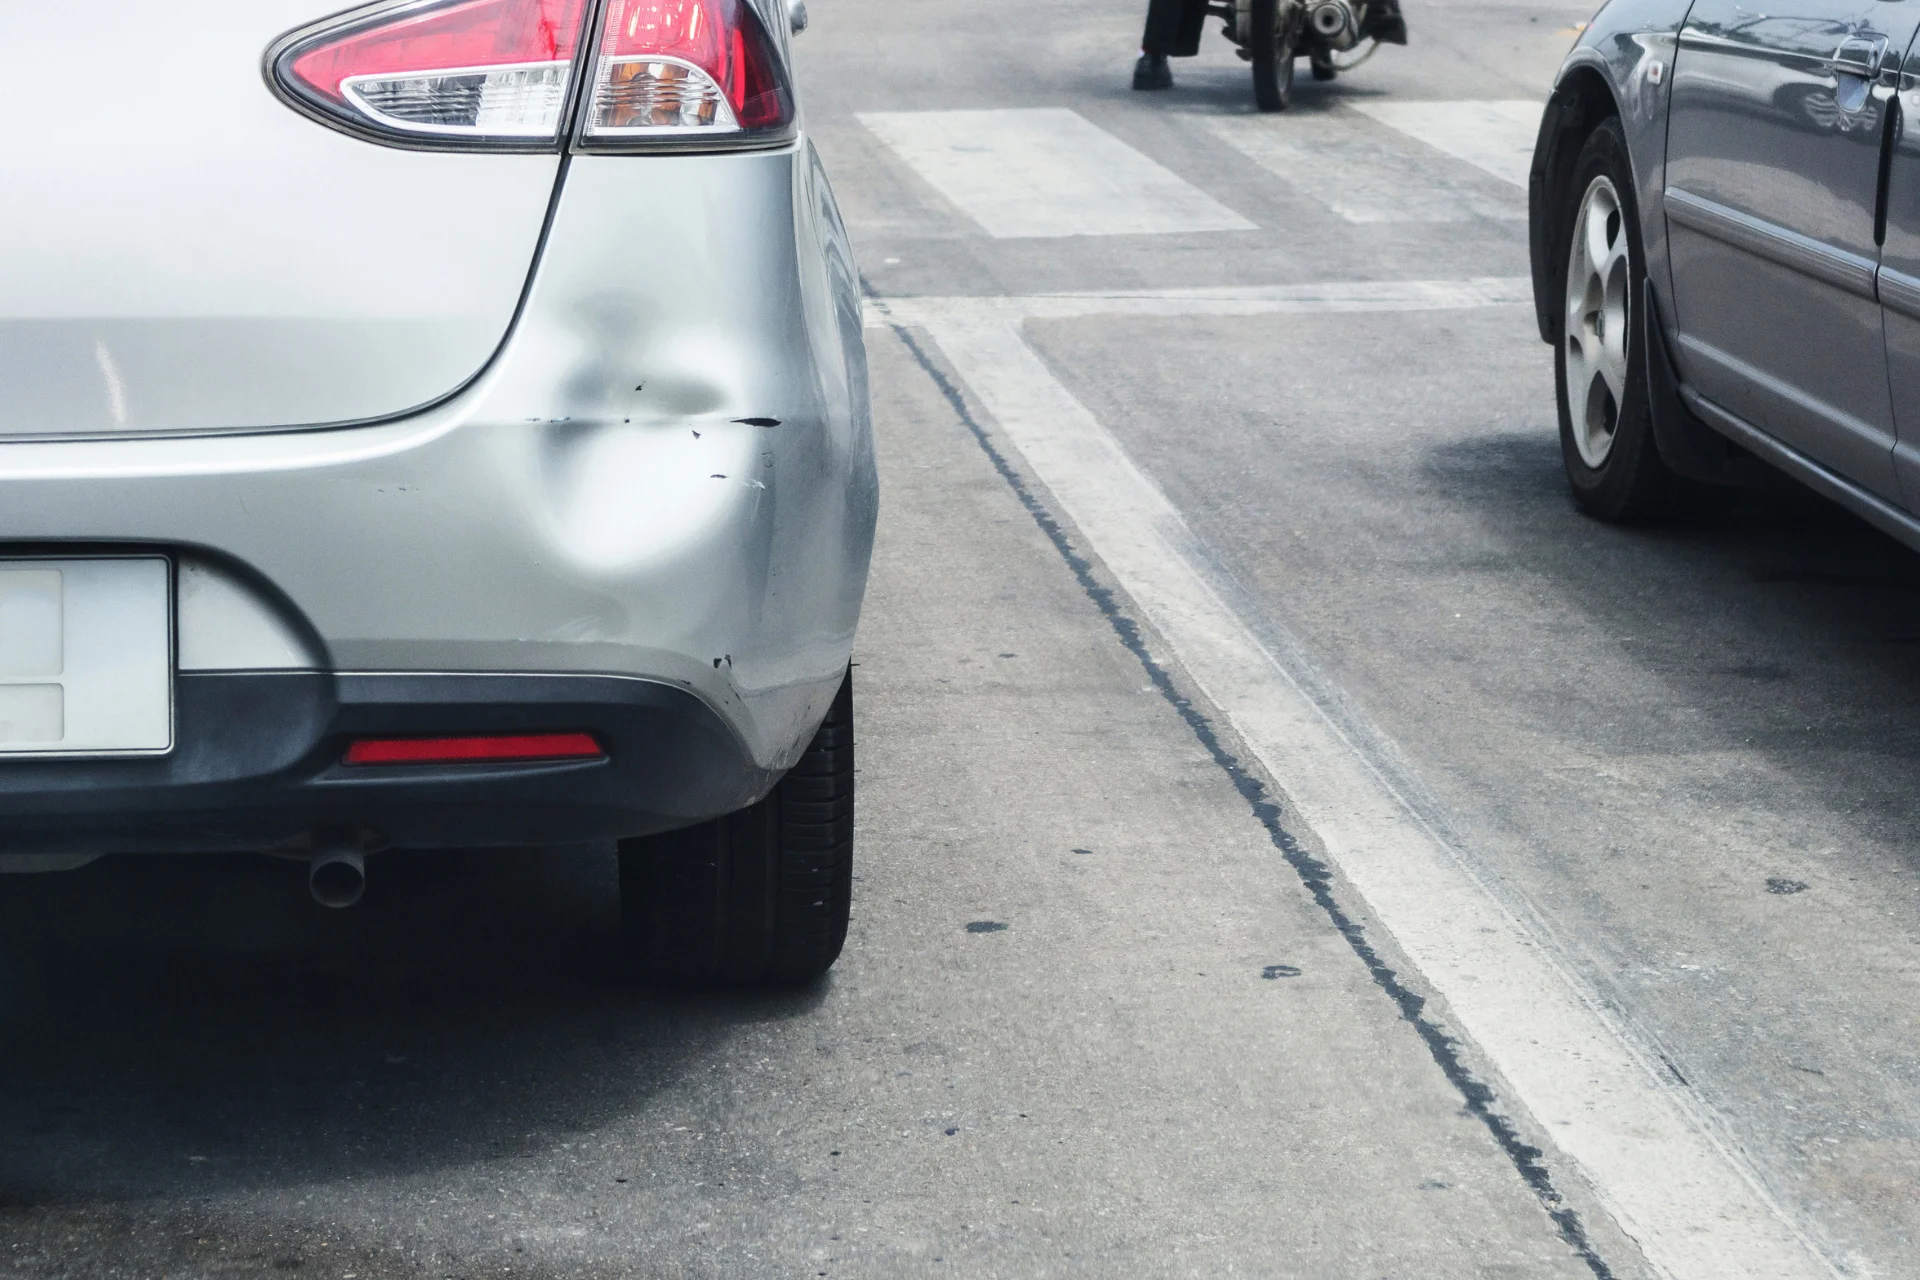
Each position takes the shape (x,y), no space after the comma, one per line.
(86,656)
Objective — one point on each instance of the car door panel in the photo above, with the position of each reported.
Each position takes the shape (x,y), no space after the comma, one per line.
(1899,283)
(1773,173)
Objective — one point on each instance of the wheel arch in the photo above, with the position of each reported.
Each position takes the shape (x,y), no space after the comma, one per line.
(1580,101)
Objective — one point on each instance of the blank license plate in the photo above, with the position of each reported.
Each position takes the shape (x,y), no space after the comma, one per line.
(86,657)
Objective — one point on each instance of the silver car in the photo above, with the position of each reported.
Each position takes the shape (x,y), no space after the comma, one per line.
(442,423)
(1726,252)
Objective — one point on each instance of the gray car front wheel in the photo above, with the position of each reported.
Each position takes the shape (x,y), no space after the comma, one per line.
(1606,428)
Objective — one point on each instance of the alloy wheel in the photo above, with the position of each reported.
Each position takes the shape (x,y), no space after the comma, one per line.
(1599,280)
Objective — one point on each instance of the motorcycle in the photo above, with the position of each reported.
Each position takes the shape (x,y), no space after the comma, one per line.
(1271,34)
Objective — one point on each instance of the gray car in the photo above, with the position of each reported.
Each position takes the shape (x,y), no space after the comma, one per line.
(442,423)
(1726,252)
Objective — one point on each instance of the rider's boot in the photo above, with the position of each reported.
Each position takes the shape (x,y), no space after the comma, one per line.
(1384,23)
(1152,72)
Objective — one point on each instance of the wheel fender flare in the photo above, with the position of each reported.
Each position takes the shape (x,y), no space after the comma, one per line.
(1581,99)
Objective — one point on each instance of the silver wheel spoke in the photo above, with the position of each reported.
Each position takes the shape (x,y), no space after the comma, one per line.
(1613,371)
(1579,376)
(1599,251)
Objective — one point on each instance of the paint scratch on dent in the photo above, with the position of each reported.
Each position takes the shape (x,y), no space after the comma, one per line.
(110,376)
(758,422)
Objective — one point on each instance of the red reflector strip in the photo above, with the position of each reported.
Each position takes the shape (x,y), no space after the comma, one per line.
(503,746)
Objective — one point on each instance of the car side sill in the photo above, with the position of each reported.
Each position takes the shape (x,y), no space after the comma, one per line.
(1876,511)
(1789,249)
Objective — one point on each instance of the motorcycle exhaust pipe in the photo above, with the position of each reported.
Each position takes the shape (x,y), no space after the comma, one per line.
(1333,22)
(337,873)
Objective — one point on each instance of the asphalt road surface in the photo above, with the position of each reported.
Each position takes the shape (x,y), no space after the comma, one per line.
(1293,840)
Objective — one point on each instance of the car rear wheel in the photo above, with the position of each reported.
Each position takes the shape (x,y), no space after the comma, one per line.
(759,897)
(1606,429)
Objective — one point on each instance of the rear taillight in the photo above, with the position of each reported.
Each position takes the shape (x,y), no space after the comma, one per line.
(504,74)
(446,71)
(691,70)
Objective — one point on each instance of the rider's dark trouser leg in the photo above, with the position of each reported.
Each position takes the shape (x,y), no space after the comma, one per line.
(1173,28)
(1173,31)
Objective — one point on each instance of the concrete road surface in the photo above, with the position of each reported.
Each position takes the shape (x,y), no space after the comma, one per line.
(1293,841)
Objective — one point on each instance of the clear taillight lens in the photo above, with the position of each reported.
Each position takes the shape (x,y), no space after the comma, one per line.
(439,71)
(510,102)
(685,71)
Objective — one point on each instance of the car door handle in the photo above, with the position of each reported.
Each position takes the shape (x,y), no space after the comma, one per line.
(1859,56)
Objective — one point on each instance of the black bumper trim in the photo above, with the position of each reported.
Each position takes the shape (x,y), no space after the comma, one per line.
(256,763)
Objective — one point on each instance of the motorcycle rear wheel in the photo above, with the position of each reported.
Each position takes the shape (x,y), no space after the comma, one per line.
(1272,50)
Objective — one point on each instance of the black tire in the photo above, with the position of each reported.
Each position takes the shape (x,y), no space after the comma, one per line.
(759,897)
(1629,483)
(1271,52)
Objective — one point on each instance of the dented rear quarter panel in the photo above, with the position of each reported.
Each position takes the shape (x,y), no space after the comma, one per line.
(667,472)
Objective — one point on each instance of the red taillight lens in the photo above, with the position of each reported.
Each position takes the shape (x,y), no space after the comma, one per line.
(492,74)
(440,69)
(467,749)
(684,69)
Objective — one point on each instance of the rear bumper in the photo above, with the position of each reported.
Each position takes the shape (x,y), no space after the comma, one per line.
(661,493)
(256,765)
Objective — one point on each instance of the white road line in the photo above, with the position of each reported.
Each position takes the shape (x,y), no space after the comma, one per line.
(1362,172)
(1495,136)
(1046,172)
(1654,1159)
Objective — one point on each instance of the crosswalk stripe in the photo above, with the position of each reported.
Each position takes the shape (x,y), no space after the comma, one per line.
(1495,136)
(1362,172)
(1046,172)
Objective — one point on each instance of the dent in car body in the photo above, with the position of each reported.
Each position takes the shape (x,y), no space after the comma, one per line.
(560,514)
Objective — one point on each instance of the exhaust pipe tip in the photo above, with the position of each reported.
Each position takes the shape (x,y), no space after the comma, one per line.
(1333,19)
(337,877)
